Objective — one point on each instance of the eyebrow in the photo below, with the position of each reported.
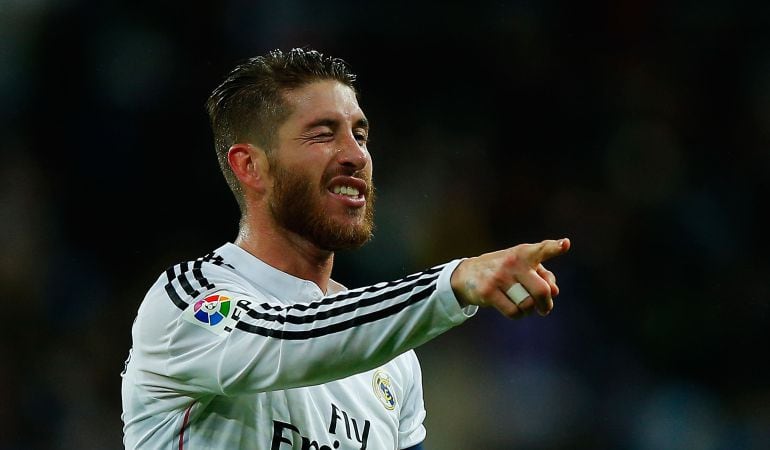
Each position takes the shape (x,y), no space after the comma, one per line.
(332,123)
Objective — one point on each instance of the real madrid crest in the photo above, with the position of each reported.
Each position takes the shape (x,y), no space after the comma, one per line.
(383,389)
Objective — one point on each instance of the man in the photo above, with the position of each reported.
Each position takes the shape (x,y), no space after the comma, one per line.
(253,346)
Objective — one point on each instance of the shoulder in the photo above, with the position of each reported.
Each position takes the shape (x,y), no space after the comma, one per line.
(188,281)
(203,291)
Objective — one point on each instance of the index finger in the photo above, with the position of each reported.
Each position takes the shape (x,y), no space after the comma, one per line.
(549,248)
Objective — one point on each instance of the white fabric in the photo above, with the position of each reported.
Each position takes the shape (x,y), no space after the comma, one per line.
(278,365)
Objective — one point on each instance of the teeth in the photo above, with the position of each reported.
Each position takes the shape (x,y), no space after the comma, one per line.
(346,190)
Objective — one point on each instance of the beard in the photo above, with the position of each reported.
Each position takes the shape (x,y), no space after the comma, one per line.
(295,205)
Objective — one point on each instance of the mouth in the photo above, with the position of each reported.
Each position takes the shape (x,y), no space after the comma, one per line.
(350,190)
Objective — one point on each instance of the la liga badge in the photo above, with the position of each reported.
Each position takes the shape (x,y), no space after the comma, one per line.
(211,313)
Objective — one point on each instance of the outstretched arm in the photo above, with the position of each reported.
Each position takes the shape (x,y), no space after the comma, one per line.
(261,346)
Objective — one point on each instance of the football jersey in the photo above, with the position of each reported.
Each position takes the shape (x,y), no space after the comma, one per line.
(231,353)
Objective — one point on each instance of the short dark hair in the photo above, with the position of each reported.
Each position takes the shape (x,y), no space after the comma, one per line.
(249,106)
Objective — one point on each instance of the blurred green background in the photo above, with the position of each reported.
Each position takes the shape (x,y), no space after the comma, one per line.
(641,130)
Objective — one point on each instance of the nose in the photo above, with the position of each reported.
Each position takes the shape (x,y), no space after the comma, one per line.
(352,154)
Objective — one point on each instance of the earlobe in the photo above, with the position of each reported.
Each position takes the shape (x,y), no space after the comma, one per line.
(249,164)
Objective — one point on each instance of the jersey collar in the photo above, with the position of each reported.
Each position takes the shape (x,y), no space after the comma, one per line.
(281,285)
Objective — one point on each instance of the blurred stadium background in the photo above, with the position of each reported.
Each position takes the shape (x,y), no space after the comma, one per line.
(639,129)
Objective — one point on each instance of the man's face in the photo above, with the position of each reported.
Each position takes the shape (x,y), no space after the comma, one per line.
(321,169)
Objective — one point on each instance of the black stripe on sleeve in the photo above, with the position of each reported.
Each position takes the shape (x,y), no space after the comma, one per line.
(353,293)
(184,282)
(215,259)
(171,291)
(198,274)
(336,327)
(367,301)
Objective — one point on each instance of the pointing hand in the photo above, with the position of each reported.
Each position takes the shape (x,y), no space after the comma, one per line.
(484,280)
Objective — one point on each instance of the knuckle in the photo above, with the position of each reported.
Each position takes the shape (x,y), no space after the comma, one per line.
(524,248)
(511,260)
(499,279)
(541,291)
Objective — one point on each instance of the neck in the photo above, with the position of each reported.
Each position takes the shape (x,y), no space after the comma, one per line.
(287,252)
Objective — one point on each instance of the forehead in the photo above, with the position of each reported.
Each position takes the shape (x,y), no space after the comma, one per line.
(327,99)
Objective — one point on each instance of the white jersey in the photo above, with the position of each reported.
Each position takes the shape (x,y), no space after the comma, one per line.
(231,353)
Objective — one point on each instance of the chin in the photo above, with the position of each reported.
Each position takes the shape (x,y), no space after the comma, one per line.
(345,236)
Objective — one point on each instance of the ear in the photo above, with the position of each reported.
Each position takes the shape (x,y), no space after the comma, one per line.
(249,164)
